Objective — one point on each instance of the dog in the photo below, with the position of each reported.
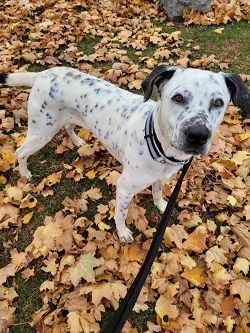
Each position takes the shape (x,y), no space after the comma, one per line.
(152,140)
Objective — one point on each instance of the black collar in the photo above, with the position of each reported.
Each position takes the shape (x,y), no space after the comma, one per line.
(155,147)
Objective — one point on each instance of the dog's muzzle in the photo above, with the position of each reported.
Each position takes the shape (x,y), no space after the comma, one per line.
(196,138)
(197,135)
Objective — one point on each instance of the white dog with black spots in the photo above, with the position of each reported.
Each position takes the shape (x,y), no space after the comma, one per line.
(152,140)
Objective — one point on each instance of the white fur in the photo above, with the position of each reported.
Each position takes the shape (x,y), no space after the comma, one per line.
(66,97)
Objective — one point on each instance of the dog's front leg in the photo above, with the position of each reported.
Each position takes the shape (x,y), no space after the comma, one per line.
(125,190)
(159,202)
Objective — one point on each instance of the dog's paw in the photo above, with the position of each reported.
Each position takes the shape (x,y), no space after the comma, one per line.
(27,174)
(161,205)
(125,235)
(79,142)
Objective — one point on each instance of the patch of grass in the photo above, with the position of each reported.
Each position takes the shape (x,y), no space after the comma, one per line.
(231,46)
(138,320)
(29,299)
(103,64)
(150,50)
(79,8)
(37,68)
(5,236)
(88,44)
(131,54)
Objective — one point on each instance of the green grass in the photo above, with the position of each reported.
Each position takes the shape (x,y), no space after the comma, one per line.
(29,300)
(138,320)
(87,45)
(232,45)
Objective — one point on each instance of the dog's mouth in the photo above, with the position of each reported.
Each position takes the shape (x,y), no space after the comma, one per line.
(191,150)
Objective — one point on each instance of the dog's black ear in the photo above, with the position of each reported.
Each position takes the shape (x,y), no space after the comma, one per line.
(240,94)
(156,77)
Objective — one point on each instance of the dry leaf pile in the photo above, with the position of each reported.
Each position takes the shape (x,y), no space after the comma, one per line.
(199,281)
(222,12)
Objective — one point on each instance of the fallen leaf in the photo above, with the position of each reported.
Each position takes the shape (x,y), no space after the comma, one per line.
(194,275)
(27,217)
(84,269)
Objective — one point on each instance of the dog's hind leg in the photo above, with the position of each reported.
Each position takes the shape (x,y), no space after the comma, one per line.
(75,138)
(36,138)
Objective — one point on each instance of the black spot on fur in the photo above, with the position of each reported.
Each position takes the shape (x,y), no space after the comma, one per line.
(69,74)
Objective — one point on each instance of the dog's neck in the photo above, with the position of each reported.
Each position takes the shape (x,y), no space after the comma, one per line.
(162,133)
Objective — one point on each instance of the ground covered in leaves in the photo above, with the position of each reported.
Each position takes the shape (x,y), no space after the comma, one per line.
(62,268)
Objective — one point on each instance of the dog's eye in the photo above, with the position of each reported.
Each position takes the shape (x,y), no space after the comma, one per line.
(178,98)
(218,103)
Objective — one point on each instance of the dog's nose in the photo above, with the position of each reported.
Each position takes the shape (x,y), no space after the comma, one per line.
(197,135)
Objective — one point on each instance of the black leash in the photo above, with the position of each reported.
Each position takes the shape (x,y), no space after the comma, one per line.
(128,302)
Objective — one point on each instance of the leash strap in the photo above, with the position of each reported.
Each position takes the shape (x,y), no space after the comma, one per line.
(128,302)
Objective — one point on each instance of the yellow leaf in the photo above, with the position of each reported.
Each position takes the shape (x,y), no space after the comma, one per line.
(194,275)
(3,180)
(217,166)
(240,157)
(54,178)
(28,202)
(84,134)
(111,214)
(27,218)
(14,193)
(151,63)
(90,174)
(229,323)
(103,226)
(219,31)
(8,157)
(165,309)
(20,140)
(136,84)
(232,200)
(134,252)
(244,136)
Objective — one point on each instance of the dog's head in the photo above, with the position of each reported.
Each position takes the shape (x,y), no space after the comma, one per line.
(193,103)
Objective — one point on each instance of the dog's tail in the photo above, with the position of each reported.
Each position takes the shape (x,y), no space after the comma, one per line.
(18,79)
